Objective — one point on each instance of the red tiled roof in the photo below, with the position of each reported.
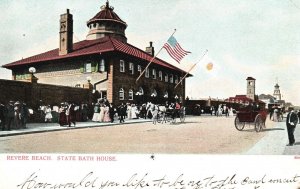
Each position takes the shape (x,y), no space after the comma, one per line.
(106,13)
(90,47)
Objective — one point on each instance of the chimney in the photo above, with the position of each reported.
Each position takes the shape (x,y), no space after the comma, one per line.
(150,50)
(66,33)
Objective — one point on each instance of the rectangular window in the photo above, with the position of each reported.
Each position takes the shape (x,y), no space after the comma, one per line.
(122,66)
(171,78)
(147,73)
(166,78)
(88,67)
(176,79)
(154,74)
(180,78)
(139,68)
(131,68)
(160,75)
(102,66)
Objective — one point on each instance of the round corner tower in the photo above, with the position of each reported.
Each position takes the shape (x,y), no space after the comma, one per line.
(106,23)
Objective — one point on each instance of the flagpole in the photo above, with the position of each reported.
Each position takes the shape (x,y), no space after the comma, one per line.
(191,69)
(152,59)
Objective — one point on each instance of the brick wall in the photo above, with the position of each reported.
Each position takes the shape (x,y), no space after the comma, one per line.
(49,94)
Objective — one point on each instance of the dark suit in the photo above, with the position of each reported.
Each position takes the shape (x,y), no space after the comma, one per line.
(291,122)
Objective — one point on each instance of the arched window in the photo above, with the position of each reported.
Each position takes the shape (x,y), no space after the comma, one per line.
(130,94)
(121,94)
(141,91)
(154,93)
(176,79)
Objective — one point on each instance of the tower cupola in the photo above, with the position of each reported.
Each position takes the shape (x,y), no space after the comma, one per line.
(106,23)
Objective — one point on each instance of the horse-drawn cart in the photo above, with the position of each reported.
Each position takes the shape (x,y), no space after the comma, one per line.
(250,116)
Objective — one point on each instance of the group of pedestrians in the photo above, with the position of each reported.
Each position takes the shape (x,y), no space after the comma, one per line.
(13,115)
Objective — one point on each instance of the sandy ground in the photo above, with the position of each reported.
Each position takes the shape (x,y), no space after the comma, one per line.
(197,135)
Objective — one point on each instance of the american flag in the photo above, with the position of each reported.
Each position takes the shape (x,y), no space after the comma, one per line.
(175,50)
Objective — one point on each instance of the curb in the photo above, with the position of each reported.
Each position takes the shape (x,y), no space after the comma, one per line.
(60,128)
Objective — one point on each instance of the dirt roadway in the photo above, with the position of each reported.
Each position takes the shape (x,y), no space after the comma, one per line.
(198,135)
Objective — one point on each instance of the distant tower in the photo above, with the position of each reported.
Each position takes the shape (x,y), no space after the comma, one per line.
(66,33)
(106,23)
(277,94)
(251,88)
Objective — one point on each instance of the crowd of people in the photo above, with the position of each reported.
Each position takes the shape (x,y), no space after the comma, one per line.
(219,110)
(13,115)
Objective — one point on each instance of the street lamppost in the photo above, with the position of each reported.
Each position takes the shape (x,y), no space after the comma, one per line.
(33,79)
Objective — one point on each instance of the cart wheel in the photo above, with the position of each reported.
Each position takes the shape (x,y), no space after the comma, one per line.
(258,123)
(239,125)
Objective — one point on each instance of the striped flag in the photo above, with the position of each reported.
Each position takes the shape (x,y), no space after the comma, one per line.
(175,50)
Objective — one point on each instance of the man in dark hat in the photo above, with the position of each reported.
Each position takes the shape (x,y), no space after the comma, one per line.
(291,122)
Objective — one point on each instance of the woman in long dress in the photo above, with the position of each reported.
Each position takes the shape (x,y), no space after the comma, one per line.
(106,114)
(96,115)
(129,112)
(134,112)
(48,116)
(102,113)
(62,115)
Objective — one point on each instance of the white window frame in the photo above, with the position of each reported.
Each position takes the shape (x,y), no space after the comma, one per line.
(176,79)
(160,75)
(139,68)
(122,66)
(88,67)
(147,73)
(131,68)
(102,65)
(171,78)
(121,94)
(130,94)
(166,77)
(153,73)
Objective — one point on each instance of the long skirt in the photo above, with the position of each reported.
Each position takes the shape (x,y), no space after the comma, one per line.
(62,119)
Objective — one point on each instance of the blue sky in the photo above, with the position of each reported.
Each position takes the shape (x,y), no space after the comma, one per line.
(257,38)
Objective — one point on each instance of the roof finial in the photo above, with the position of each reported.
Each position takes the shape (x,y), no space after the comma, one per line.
(107,4)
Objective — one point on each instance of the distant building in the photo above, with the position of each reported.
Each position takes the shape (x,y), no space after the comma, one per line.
(250,96)
(103,62)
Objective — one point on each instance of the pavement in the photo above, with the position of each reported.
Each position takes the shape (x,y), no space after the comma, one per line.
(50,127)
(273,143)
